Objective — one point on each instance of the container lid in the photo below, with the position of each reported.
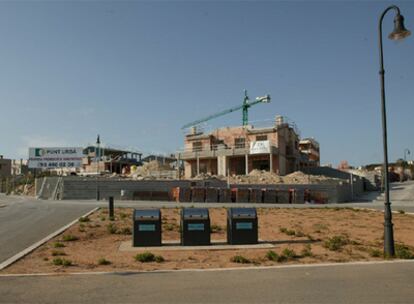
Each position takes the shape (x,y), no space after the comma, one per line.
(195,213)
(242,213)
(147,214)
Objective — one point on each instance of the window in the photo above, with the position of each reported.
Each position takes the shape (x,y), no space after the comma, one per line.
(197,146)
(261,137)
(239,142)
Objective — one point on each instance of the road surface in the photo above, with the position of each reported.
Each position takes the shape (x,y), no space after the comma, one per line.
(24,221)
(361,283)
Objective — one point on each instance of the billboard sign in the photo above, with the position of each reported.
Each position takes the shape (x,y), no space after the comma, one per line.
(52,158)
(259,147)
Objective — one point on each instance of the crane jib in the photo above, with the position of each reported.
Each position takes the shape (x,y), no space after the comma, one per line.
(244,107)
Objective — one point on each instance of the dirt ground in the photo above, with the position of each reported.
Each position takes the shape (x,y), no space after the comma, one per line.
(300,235)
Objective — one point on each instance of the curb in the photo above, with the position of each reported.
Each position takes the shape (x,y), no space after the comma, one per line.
(131,272)
(29,249)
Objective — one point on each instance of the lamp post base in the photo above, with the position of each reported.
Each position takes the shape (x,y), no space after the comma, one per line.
(389,250)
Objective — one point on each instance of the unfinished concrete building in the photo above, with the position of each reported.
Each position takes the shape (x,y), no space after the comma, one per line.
(111,160)
(239,150)
(310,148)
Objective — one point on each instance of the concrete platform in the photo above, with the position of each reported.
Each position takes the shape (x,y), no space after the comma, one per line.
(175,245)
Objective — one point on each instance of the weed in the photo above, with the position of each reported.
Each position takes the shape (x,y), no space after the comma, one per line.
(62,262)
(84,219)
(111,218)
(58,253)
(375,253)
(240,259)
(111,228)
(145,257)
(122,215)
(289,253)
(169,227)
(272,256)
(403,252)
(336,243)
(126,231)
(103,218)
(401,211)
(216,228)
(45,259)
(287,231)
(307,251)
(70,238)
(159,259)
(58,245)
(103,261)
(299,234)
(81,228)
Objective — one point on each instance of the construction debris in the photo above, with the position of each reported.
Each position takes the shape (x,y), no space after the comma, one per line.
(153,170)
(266,177)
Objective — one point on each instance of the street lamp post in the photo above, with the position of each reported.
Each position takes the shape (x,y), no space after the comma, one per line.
(406,151)
(97,155)
(399,32)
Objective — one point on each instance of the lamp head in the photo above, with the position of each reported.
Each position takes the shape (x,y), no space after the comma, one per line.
(399,32)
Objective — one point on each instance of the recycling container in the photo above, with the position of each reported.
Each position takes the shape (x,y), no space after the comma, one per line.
(147,228)
(195,227)
(242,226)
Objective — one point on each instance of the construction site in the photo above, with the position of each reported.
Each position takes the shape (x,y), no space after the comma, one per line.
(245,163)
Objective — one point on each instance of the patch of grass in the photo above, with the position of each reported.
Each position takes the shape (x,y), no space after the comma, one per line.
(401,211)
(125,231)
(145,257)
(84,219)
(112,218)
(169,227)
(216,228)
(240,259)
(103,218)
(403,252)
(336,243)
(62,262)
(58,253)
(111,228)
(122,215)
(375,253)
(307,251)
(58,245)
(149,257)
(159,259)
(103,261)
(69,238)
(81,227)
(289,253)
(287,231)
(272,256)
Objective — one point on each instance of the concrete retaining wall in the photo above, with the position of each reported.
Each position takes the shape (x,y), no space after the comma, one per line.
(85,188)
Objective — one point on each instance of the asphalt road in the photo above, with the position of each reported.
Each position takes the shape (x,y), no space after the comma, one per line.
(363,283)
(24,221)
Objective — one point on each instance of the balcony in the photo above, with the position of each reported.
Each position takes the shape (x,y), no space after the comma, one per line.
(220,150)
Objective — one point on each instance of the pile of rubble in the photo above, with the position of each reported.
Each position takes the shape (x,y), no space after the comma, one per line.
(152,170)
(266,177)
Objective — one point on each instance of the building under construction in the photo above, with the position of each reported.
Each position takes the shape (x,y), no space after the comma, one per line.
(239,150)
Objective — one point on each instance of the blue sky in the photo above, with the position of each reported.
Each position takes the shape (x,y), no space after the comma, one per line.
(135,72)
